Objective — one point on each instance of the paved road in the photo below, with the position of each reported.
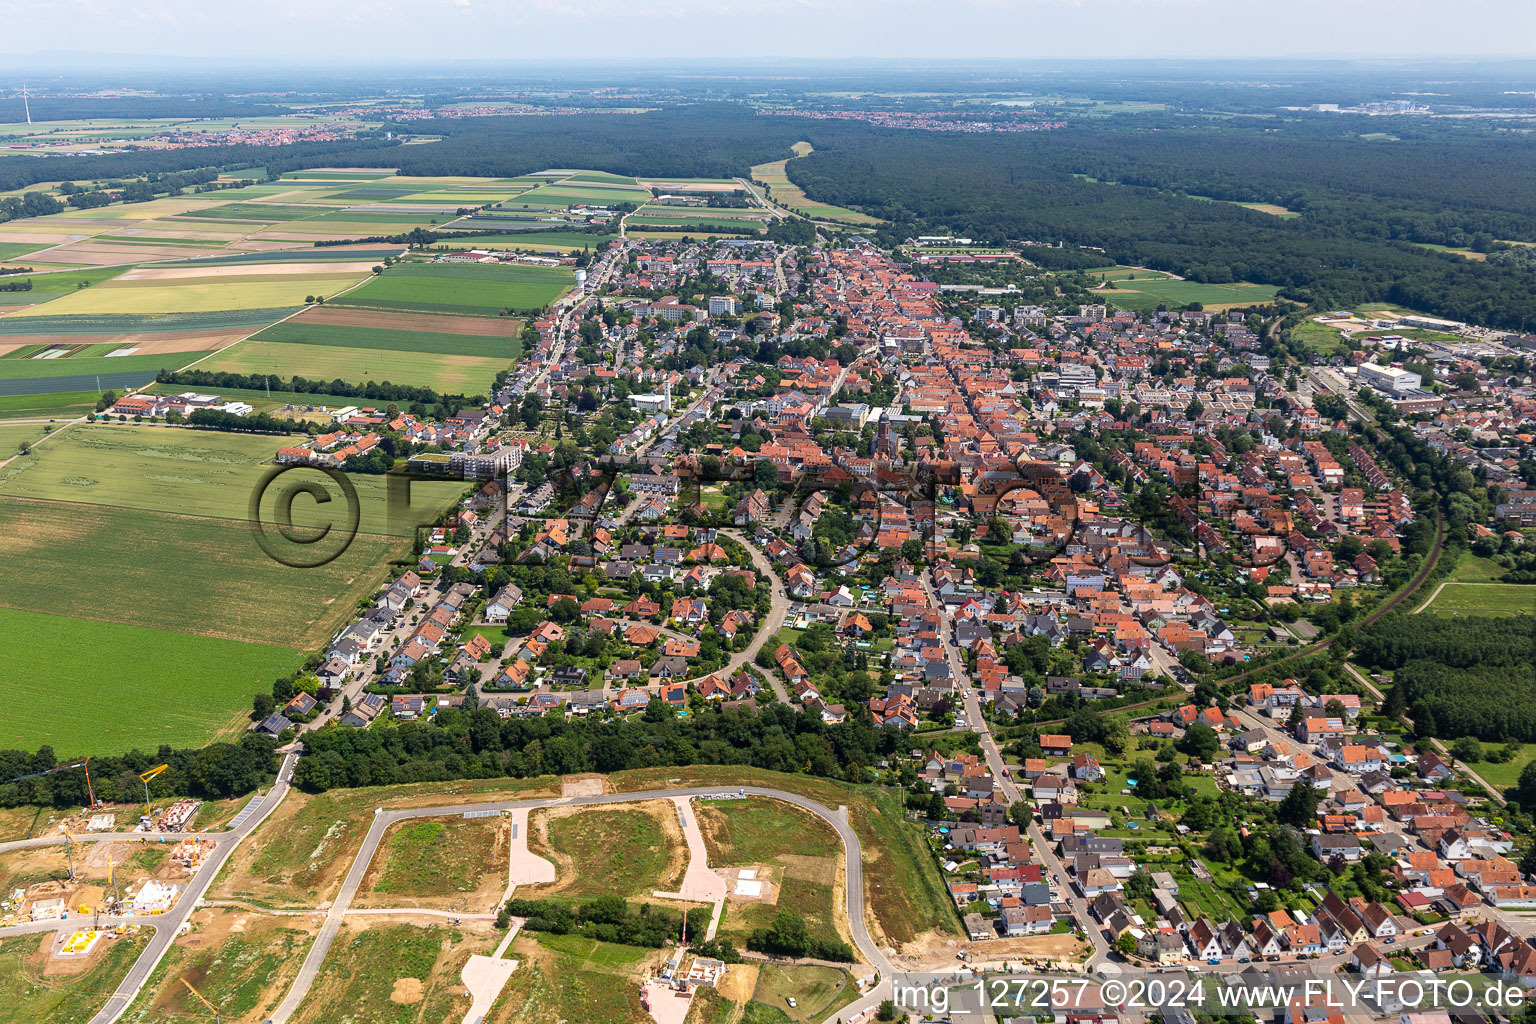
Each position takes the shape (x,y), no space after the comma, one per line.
(763,201)
(168,925)
(383,820)
(994,759)
(778,610)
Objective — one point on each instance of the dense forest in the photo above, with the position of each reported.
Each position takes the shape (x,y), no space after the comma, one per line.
(1159,190)
(700,142)
(18,172)
(1363,204)
(1458,677)
(479,744)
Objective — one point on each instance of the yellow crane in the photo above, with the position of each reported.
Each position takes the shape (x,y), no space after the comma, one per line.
(144,778)
(116,904)
(201,999)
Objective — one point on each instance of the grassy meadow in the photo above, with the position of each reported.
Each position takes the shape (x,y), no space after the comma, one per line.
(105,687)
(450,374)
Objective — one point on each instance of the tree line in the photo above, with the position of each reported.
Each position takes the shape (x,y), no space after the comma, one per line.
(214,772)
(376,391)
(477,743)
(610,919)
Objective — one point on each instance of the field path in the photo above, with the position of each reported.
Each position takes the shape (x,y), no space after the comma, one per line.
(290,316)
(52,433)
(1442,586)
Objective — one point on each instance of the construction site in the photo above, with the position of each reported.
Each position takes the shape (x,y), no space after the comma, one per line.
(96,879)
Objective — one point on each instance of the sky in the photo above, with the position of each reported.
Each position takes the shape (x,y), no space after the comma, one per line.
(61,32)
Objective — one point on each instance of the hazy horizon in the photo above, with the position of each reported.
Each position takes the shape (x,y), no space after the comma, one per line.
(353,33)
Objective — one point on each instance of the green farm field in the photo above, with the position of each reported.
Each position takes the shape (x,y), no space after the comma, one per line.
(528,241)
(1484,599)
(439,859)
(574,978)
(1507,774)
(673,213)
(9,250)
(367,966)
(754,833)
(56,404)
(1473,588)
(1143,294)
(242,965)
(180,574)
(817,991)
(620,851)
(902,887)
(81,686)
(1318,337)
(14,434)
(264,401)
(663,235)
(188,472)
(301,333)
(590,193)
(462,288)
(270,213)
(450,374)
(114,324)
(51,286)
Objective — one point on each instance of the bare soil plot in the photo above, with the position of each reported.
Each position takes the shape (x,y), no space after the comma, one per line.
(629,851)
(385,973)
(115,255)
(241,960)
(302,851)
(441,863)
(933,951)
(795,856)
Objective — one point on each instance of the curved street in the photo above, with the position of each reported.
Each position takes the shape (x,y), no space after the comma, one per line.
(383,820)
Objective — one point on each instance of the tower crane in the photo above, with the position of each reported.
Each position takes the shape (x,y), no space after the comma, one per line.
(144,778)
(203,1000)
(86,764)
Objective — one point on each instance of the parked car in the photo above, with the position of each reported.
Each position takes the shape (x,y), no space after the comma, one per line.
(1214,961)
